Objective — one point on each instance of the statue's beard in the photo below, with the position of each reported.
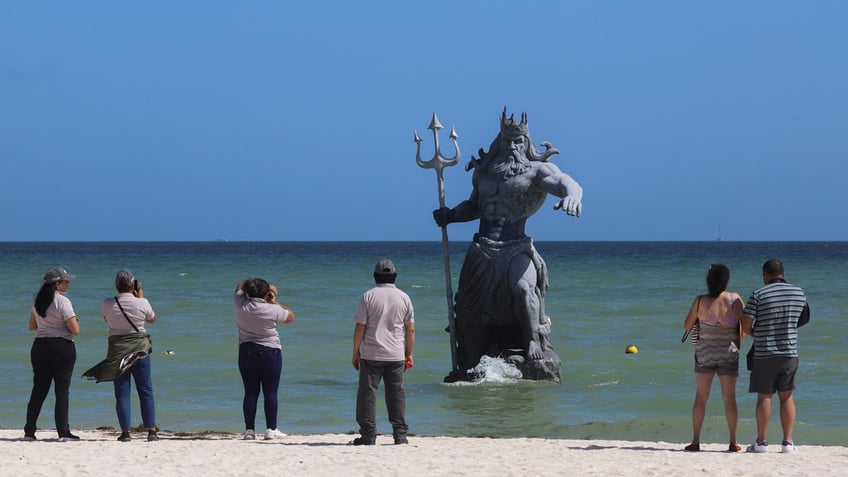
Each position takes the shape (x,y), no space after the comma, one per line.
(509,166)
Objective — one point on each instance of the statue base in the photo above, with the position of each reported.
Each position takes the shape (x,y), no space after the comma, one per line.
(463,375)
(545,369)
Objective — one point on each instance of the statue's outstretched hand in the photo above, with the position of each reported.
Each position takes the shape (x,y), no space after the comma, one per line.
(443,216)
(570,205)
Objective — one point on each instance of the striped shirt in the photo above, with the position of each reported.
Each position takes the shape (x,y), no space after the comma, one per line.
(775,310)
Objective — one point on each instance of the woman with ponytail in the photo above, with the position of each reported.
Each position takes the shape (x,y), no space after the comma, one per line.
(53,353)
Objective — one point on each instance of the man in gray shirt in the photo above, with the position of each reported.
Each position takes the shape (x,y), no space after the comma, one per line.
(383,340)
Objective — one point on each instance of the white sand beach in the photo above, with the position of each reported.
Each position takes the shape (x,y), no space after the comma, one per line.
(217,454)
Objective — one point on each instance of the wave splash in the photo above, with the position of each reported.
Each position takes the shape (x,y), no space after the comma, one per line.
(492,370)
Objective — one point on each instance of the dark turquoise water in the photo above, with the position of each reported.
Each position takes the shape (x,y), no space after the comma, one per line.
(603,297)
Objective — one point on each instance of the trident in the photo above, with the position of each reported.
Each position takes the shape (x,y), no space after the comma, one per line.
(439,162)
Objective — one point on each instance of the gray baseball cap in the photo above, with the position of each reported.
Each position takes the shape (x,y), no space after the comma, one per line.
(124,279)
(58,274)
(385,267)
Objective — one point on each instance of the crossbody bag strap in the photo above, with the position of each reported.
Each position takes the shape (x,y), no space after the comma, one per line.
(125,315)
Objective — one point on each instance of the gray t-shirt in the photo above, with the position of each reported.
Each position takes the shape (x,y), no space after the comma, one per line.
(53,324)
(257,320)
(137,309)
(384,310)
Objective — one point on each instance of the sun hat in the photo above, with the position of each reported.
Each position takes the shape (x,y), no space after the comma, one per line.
(58,274)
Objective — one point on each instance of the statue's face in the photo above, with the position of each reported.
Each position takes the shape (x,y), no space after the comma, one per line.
(515,147)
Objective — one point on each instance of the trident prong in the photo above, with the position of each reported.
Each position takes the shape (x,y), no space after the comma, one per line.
(439,162)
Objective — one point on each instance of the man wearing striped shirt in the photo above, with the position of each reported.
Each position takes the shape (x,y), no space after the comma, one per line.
(772,316)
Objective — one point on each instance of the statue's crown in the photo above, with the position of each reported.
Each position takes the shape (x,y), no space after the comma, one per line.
(510,129)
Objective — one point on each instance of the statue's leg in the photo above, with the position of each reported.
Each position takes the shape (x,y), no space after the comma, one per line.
(526,303)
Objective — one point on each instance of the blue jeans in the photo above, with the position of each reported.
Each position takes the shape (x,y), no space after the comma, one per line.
(140,372)
(260,368)
(370,374)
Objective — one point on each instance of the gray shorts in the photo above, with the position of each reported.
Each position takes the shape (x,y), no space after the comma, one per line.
(728,367)
(773,374)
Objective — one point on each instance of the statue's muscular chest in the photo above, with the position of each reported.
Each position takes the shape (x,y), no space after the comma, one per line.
(513,197)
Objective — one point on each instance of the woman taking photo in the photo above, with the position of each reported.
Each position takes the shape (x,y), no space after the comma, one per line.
(260,357)
(126,314)
(53,353)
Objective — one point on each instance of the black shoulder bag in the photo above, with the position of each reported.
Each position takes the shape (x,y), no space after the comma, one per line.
(693,333)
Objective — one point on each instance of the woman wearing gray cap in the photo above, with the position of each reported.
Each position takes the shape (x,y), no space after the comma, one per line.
(128,354)
(53,354)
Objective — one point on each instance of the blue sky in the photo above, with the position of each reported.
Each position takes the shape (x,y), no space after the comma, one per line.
(206,120)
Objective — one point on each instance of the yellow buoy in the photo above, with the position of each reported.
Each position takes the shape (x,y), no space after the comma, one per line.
(631,349)
(169,352)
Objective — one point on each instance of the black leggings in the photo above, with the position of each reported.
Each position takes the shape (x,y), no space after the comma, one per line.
(53,360)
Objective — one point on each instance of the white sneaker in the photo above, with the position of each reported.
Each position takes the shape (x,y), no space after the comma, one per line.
(757,447)
(271,434)
(249,435)
(788,447)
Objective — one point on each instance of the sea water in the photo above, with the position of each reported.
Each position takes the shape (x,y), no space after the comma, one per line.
(603,297)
